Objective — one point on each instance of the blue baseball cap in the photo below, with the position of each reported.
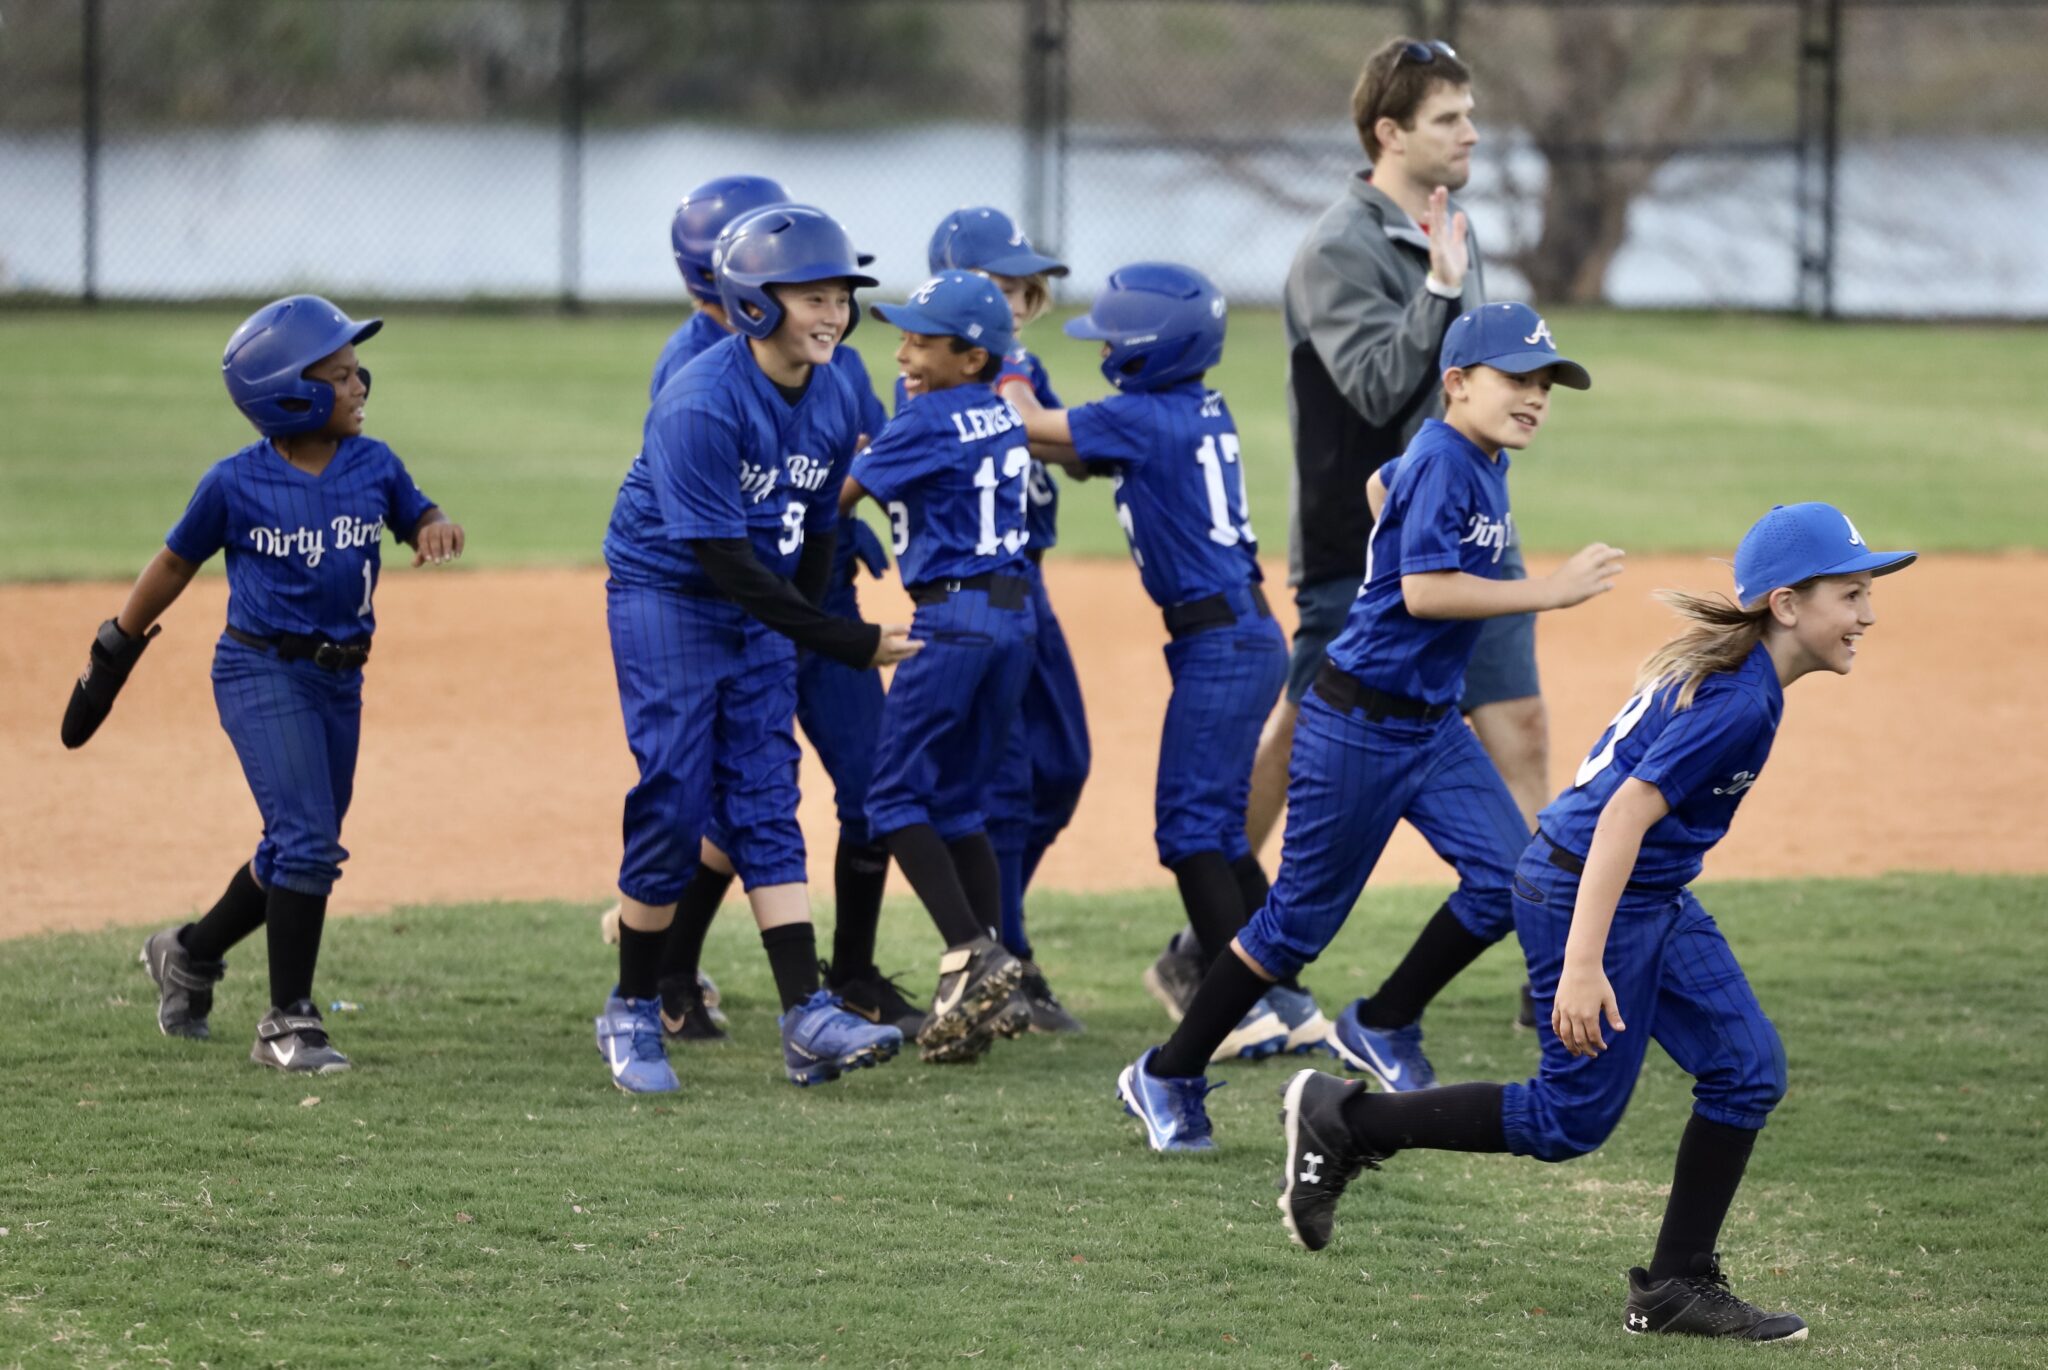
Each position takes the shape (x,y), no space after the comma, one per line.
(1511,338)
(956,304)
(1796,542)
(981,238)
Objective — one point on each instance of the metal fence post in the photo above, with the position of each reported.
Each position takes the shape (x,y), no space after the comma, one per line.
(1045,121)
(89,85)
(573,18)
(1819,142)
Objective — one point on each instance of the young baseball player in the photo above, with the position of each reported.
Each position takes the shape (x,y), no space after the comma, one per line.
(719,545)
(839,706)
(1040,780)
(1612,934)
(1173,448)
(301,516)
(1380,739)
(950,470)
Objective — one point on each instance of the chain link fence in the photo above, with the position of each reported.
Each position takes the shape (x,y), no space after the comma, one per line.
(1833,156)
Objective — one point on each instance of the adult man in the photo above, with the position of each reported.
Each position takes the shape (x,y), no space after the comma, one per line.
(1369,297)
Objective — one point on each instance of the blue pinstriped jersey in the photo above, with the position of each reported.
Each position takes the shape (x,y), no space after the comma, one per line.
(1446,510)
(1044,510)
(700,331)
(302,550)
(1702,759)
(1179,487)
(724,455)
(697,333)
(950,469)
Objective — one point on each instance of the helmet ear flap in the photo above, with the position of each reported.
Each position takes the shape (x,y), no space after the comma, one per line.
(364,372)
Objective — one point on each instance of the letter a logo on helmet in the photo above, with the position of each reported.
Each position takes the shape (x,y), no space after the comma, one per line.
(1541,335)
(1855,538)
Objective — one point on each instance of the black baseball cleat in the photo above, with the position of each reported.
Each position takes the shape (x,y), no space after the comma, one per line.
(875,997)
(1321,1158)
(976,998)
(685,1016)
(184,986)
(1701,1305)
(294,1039)
(1175,975)
(1048,1014)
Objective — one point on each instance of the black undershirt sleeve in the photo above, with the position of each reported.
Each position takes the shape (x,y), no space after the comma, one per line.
(735,570)
(814,567)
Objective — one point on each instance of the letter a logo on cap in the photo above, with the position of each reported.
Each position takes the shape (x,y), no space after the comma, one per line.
(1541,335)
(1855,538)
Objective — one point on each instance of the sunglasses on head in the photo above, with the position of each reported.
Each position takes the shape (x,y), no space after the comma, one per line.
(1424,53)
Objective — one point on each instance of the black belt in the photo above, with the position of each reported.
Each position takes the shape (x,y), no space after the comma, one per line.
(1570,863)
(1200,615)
(1004,592)
(1343,690)
(328,656)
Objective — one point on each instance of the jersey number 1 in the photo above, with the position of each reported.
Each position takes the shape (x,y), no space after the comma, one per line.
(1222,530)
(369,586)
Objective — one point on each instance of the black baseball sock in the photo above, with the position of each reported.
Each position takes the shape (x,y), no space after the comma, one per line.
(860,870)
(295,921)
(926,863)
(1252,884)
(640,961)
(793,957)
(1711,1159)
(1227,993)
(981,875)
(682,948)
(238,912)
(1447,1118)
(1215,905)
(1441,950)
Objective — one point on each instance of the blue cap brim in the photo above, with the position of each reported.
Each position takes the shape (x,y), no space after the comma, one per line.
(1569,373)
(1023,264)
(1085,327)
(810,275)
(1877,563)
(911,319)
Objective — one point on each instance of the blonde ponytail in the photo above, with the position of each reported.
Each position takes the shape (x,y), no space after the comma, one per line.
(1720,638)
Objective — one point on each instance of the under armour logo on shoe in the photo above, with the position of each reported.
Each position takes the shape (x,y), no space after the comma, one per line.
(1638,1322)
(1741,781)
(1309,1174)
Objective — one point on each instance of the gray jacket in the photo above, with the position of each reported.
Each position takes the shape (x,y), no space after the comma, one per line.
(1363,333)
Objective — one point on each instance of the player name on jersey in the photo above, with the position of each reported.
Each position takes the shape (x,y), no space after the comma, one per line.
(989,421)
(311,543)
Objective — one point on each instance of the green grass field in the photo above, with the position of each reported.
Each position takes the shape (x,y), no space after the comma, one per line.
(475,1193)
(523,425)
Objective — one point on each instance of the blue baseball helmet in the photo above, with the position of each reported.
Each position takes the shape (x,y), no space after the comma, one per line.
(267,356)
(781,245)
(956,304)
(980,238)
(1163,323)
(703,215)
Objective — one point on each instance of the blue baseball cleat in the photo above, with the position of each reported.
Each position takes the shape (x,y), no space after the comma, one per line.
(821,1039)
(1393,1056)
(629,1037)
(1259,1034)
(1307,1030)
(1171,1110)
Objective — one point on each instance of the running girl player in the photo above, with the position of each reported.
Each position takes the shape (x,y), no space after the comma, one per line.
(1614,937)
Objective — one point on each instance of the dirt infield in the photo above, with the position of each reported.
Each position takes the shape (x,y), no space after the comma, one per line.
(494,762)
